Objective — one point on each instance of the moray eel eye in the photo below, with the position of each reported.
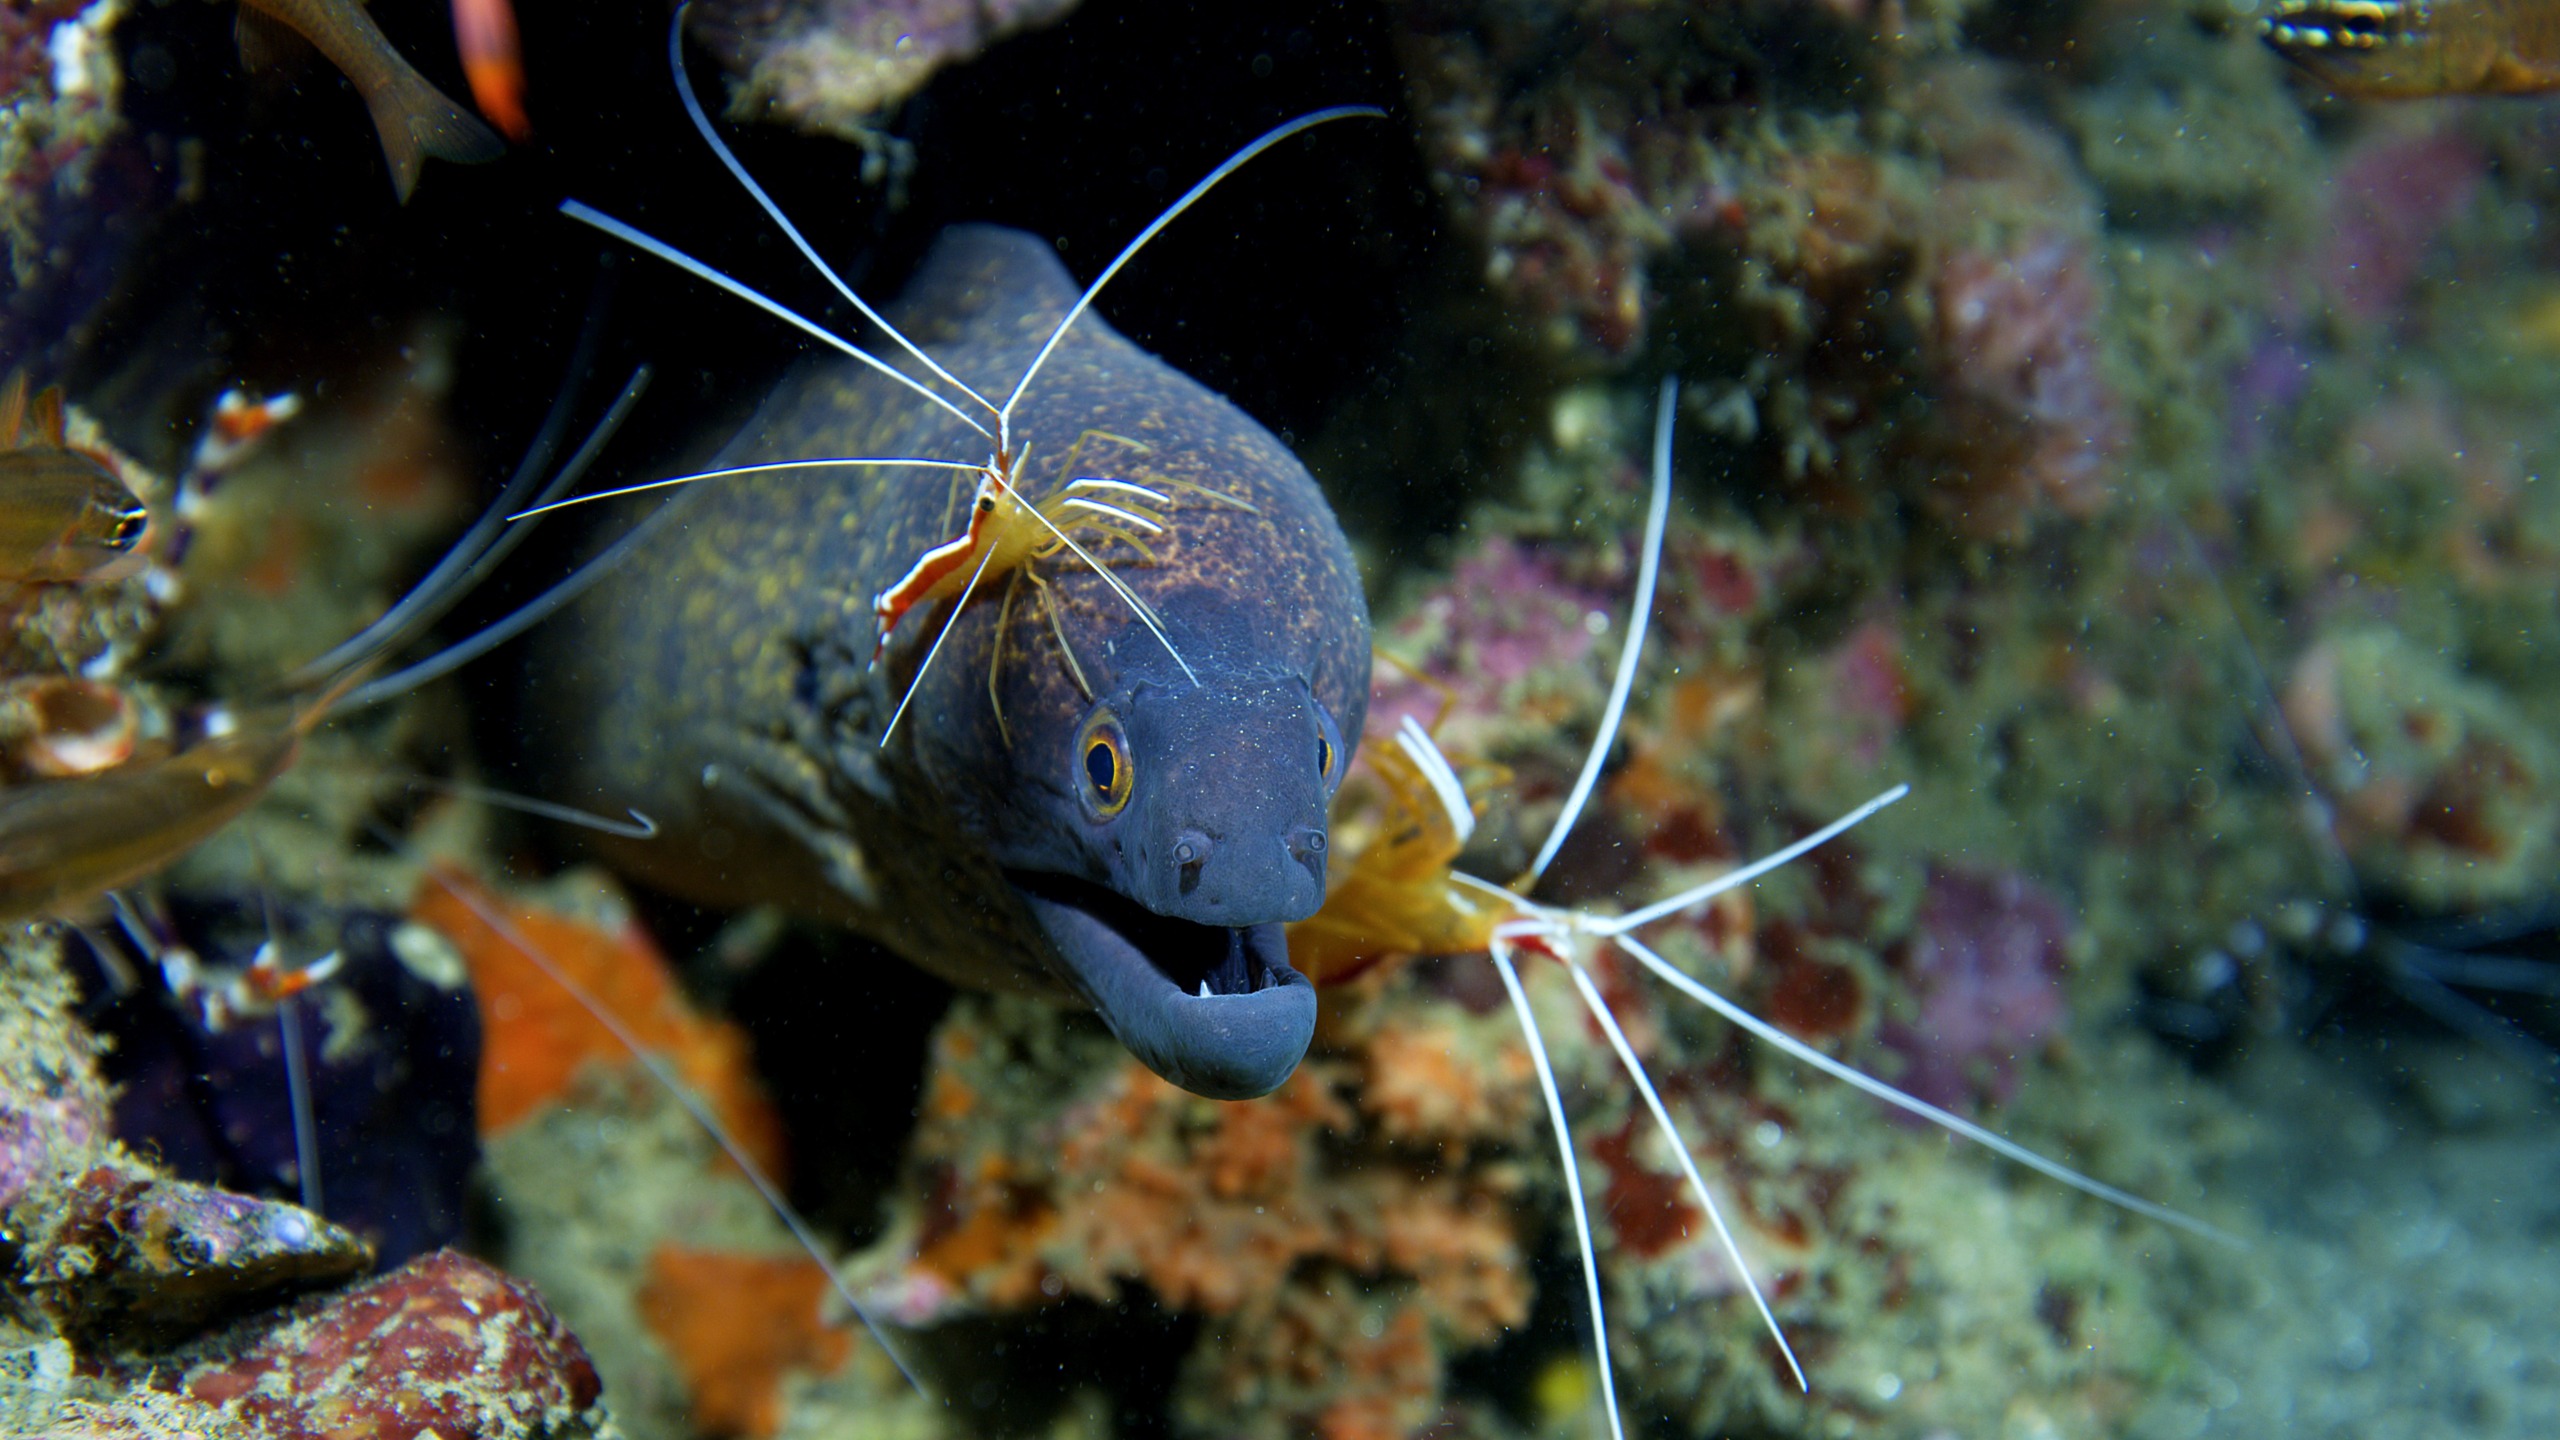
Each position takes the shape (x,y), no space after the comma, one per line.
(1105,756)
(1328,746)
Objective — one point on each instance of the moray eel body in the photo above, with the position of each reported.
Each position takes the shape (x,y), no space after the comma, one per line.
(1062,809)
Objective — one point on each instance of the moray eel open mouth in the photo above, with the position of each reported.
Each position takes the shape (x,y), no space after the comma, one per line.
(1215,1009)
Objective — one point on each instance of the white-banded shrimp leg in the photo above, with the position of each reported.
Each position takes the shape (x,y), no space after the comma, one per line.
(916,682)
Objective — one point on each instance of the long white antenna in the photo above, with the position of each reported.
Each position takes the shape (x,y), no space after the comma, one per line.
(648,244)
(1636,1072)
(1657,516)
(1500,951)
(1679,980)
(773,212)
(729,470)
(1750,872)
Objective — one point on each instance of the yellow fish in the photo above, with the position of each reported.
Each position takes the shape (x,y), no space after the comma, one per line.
(2410,49)
(64,515)
(414,117)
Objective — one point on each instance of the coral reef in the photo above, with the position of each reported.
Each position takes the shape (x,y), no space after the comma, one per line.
(1985,967)
(702,1312)
(2146,456)
(833,66)
(142,1305)
(394,1047)
(75,184)
(1341,1238)
(444,1344)
(2438,787)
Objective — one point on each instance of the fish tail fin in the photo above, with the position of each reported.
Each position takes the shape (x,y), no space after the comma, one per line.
(416,120)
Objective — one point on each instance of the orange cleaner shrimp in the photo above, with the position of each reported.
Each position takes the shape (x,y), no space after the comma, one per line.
(1006,530)
(1403,896)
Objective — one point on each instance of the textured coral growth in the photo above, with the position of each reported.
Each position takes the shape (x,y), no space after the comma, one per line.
(537,1039)
(1986,968)
(736,1325)
(2017,337)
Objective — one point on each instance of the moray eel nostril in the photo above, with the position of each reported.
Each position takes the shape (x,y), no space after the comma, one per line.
(1065,807)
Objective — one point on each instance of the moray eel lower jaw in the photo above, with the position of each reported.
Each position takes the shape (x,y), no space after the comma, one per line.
(1215,1009)
(1194,824)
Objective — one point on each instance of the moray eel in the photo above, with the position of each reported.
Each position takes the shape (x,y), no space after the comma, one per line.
(1062,809)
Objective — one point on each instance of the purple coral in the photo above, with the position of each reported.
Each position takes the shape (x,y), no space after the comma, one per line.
(1985,969)
(1507,622)
(2018,344)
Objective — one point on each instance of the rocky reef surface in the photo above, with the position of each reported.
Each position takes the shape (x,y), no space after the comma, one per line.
(2081,417)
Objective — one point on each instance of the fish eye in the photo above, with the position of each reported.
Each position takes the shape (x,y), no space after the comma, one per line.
(125,527)
(1103,752)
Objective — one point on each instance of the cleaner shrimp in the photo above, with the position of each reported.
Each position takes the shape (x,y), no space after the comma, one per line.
(1007,530)
(1404,895)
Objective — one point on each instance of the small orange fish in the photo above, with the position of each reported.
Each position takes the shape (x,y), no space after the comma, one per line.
(64,516)
(485,32)
(414,117)
(2410,49)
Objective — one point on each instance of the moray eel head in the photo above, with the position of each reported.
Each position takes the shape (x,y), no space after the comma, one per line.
(1199,816)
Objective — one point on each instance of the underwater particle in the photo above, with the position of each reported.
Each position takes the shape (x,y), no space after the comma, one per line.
(832,66)
(125,1257)
(737,1325)
(536,1039)
(444,1345)
(1985,967)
